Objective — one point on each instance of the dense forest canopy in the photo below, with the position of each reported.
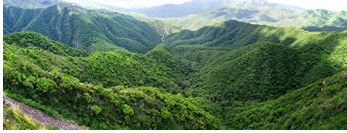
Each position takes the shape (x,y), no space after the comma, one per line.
(85,30)
(107,70)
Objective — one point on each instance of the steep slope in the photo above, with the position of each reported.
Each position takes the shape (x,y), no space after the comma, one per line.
(226,71)
(33,119)
(233,34)
(91,30)
(106,68)
(31,39)
(321,105)
(14,119)
(129,69)
(262,71)
(16,18)
(265,71)
(51,83)
(33,4)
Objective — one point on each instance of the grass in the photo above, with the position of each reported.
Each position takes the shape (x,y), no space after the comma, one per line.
(14,119)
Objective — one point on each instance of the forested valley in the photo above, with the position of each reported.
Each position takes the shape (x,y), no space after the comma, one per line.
(110,71)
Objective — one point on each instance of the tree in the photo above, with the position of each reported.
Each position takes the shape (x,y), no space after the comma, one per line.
(46,85)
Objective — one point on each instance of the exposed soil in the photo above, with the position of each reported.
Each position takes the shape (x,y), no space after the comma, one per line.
(42,117)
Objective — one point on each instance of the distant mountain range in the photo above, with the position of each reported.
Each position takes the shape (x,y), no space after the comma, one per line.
(32,4)
(198,13)
(197,6)
(311,20)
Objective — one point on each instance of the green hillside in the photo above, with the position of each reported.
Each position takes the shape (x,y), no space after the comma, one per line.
(230,67)
(16,18)
(31,39)
(321,105)
(233,34)
(33,4)
(46,81)
(113,73)
(86,30)
(311,20)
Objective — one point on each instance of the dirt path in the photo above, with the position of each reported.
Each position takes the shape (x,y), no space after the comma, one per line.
(41,117)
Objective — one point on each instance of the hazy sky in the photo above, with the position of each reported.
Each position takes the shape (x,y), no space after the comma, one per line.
(336,5)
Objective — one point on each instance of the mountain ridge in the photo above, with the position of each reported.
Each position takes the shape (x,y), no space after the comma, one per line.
(84,29)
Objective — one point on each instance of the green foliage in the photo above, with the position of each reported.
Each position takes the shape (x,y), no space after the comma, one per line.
(318,106)
(46,85)
(226,71)
(85,30)
(96,109)
(233,75)
(16,18)
(32,76)
(127,110)
(31,39)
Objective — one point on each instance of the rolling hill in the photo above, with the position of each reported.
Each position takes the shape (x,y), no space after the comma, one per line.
(110,71)
(46,81)
(320,105)
(231,67)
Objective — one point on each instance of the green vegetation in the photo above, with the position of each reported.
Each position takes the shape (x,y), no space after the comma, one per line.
(226,71)
(86,30)
(311,20)
(16,18)
(31,39)
(46,81)
(321,105)
(14,119)
(32,4)
(231,75)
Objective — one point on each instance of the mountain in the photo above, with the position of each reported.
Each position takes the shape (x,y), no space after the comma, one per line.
(103,90)
(318,18)
(192,83)
(33,4)
(86,30)
(14,119)
(231,67)
(311,20)
(53,84)
(264,14)
(30,39)
(196,6)
(320,105)
(109,71)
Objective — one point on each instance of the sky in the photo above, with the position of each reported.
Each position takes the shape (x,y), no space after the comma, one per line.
(335,5)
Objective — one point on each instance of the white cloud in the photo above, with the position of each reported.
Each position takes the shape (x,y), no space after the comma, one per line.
(335,5)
